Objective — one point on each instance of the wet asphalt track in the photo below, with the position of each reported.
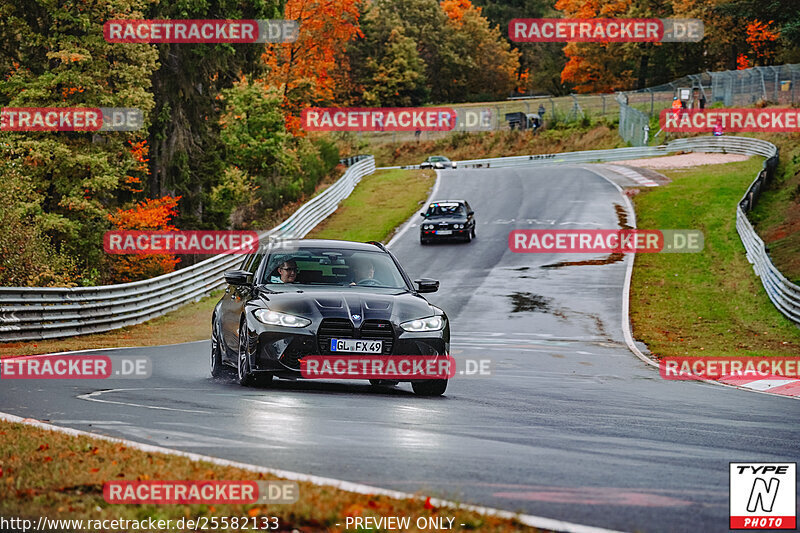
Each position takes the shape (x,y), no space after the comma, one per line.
(570,426)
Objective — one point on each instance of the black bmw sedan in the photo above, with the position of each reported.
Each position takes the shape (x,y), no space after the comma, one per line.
(323,298)
(452,219)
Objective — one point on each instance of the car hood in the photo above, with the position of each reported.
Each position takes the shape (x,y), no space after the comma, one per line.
(335,302)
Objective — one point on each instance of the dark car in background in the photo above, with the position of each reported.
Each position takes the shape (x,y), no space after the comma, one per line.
(451,219)
(335,295)
(438,162)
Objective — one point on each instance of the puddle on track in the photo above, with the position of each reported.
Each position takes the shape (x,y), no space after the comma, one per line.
(528,302)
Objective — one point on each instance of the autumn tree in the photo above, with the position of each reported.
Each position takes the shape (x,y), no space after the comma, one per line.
(266,165)
(492,67)
(463,57)
(306,70)
(540,64)
(604,67)
(53,54)
(148,215)
(187,155)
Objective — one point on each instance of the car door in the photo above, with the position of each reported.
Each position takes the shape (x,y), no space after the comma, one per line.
(470,215)
(233,302)
(228,316)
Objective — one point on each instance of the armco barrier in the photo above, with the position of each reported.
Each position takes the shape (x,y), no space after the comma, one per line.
(42,313)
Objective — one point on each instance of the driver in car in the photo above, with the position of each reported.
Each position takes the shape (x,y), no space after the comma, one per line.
(363,271)
(287,273)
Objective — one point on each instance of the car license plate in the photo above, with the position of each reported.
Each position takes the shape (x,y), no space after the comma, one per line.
(352,345)
(444,232)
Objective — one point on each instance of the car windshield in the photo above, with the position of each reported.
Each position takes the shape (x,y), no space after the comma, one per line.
(445,210)
(438,158)
(331,266)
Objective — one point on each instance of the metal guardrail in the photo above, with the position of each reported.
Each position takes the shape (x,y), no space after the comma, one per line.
(33,313)
(782,292)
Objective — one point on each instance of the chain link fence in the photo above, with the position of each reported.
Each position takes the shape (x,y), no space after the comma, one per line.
(732,88)
(557,110)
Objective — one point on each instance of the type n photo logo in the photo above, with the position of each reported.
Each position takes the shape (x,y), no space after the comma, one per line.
(763,495)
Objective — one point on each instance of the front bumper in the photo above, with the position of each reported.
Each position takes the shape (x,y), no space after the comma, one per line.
(279,351)
(457,233)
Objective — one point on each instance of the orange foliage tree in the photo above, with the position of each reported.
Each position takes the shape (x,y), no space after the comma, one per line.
(762,40)
(307,71)
(455,9)
(594,67)
(151,214)
(139,151)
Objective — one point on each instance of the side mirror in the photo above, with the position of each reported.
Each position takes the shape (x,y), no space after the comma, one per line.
(470,213)
(238,277)
(422,214)
(427,285)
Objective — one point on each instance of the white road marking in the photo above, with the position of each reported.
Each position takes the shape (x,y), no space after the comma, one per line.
(94,397)
(529,520)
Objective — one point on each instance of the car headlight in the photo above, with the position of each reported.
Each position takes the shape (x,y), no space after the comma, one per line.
(432,323)
(458,226)
(427,226)
(273,318)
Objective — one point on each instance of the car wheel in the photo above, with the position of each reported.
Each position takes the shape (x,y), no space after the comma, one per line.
(433,387)
(468,237)
(218,369)
(243,373)
(473,232)
(424,241)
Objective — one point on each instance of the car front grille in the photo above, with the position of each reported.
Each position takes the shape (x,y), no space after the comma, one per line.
(342,328)
(379,330)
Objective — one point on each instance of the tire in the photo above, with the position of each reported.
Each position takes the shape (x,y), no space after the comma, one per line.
(424,241)
(244,376)
(468,238)
(473,232)
(218,369)
(433,387)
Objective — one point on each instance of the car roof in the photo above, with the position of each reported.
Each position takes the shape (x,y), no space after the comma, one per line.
(325,243)
(447,202)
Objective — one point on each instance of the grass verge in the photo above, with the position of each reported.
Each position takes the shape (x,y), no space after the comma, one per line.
(381,202)
(58,476)
(586,135)
(709,303)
